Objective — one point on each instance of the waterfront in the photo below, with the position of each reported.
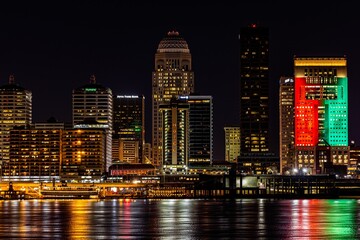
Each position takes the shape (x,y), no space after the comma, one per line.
(180,219)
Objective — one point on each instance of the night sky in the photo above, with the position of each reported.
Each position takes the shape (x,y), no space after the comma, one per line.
(52,47)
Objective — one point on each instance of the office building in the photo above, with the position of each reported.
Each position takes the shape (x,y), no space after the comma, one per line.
(232,143)
(172,76)
(321,113)
(175,137)
(254,89)
(15,110)
(129,127)
(200,129)
(93,103)
(286,128)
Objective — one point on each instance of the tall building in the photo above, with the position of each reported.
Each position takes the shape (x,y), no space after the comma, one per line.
(175,136)
(321,113)
(255,156)
(254,89)
(15,110)
(200,129)
(232,143)
(129,127)
(172,76)
(287,135)
(94,102)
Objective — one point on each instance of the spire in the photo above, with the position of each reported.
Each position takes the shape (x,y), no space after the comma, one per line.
(11,79)
(92,79)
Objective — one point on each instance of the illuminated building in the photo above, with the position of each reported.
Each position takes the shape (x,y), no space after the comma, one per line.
(129,127)
(354,163)
(95,103)
(200,129)
(175,136)
(254,89)
(147,153)
(232,143)
(172,76)
(321,113)
(35,152)
(286,110)
(255,156)
(15,110)
(84,152)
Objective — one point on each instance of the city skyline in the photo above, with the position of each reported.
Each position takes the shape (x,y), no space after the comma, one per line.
(53,49)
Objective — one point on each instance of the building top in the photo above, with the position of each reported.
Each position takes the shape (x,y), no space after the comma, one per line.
(319,61)
(92,87)
(173,42)
(12,86)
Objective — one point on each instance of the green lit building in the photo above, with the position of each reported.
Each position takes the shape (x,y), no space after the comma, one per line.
(321,114)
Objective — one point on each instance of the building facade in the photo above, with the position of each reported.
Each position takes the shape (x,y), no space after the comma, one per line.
(286,121)
(254,89)
(129,127)
(15,110)
(200,129)
(94,102)
(175,137)
(172,76)
(232,143)
(321,113)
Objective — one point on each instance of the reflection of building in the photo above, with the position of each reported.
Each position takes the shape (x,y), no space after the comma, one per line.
(232,143)
(94,102)
(286,112)
(175,136)
(172,76)
(321,113)
(129,127)
(200,129)
(15,110)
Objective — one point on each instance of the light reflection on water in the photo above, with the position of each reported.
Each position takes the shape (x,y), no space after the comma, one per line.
(180,219)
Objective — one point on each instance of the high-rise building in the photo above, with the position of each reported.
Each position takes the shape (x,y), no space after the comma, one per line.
(172,76)
(232,143)
(254,89)
(15,110)
(321,113)
(129,127)
(175,136)
(200,129)
(94,102)
(287,135)
(255,156)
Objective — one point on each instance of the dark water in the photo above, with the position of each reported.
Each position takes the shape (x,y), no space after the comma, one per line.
(180,219)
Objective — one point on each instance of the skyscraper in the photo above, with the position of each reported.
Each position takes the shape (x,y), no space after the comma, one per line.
(254,89)
(172,76)
(321,113)
(286,111)
(175,136)
(94,102)
(200,129)
(129,125)
(15,110)
(255,155)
